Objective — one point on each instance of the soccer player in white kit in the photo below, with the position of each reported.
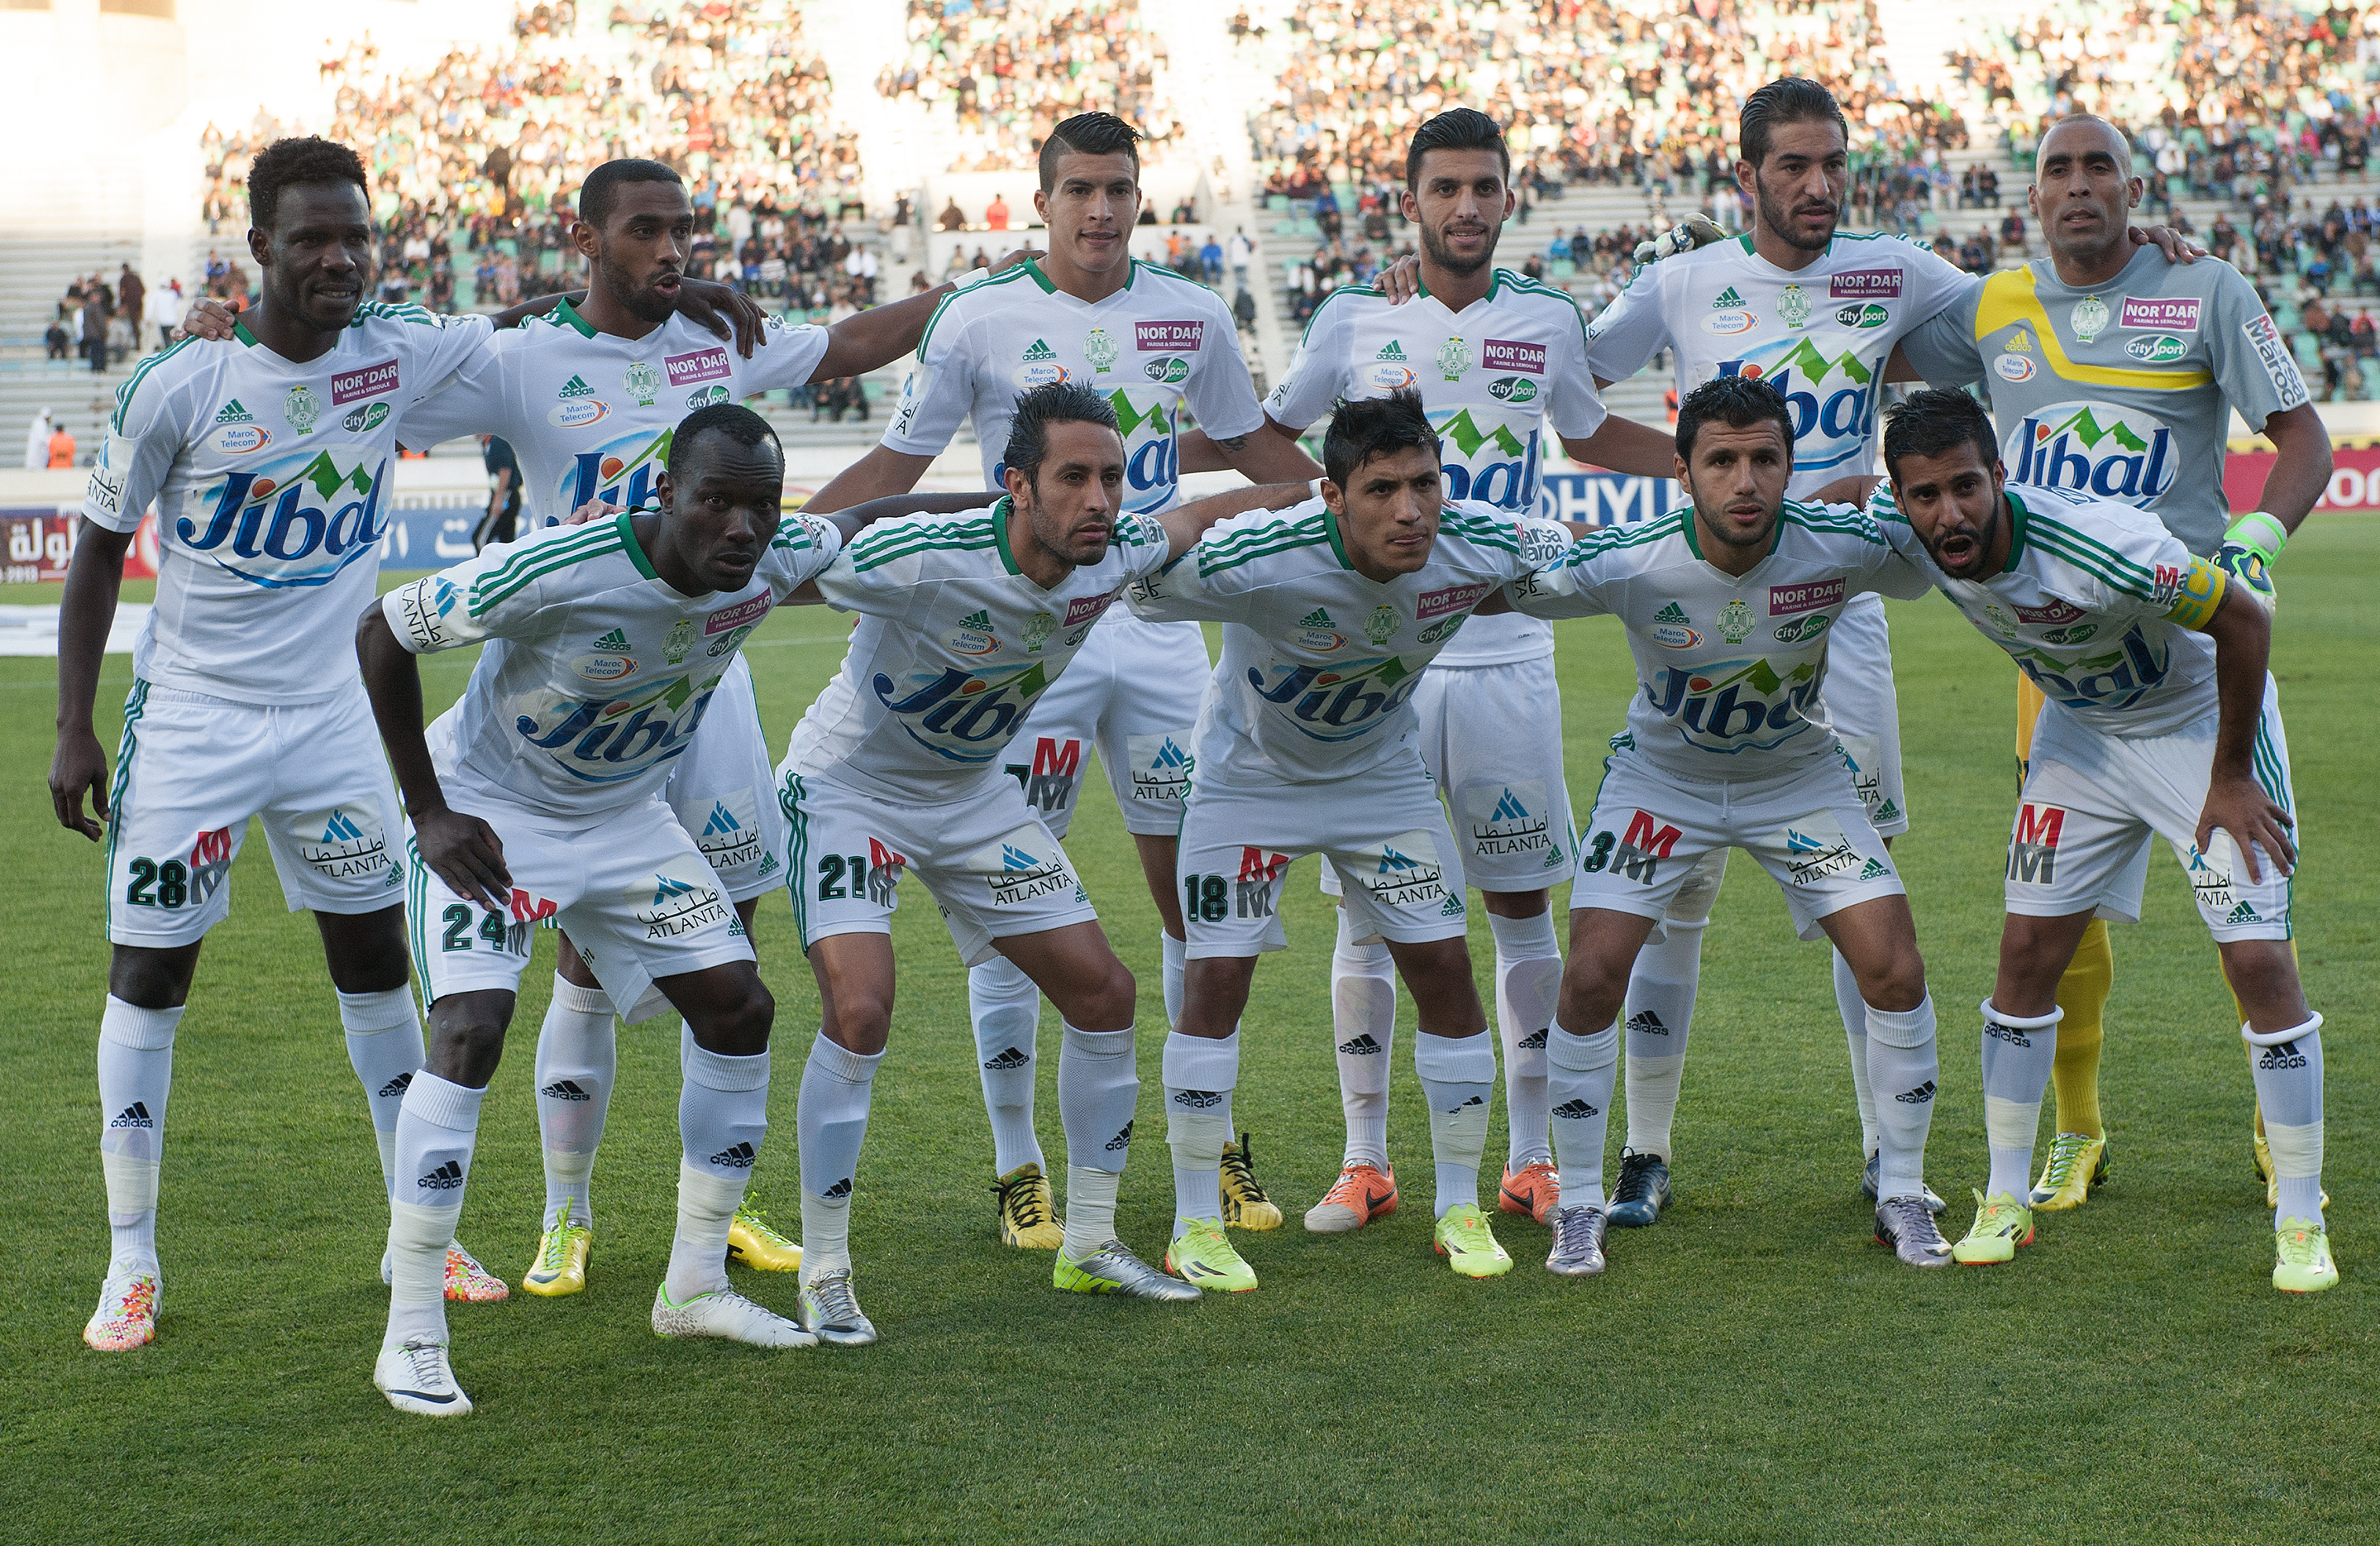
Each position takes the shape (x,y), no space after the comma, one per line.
(966,621)
(1498,360)
(1159,347)
(588,395)
(2161,721)
(1731,608)
(269,456)
(1308,743)
(538,795)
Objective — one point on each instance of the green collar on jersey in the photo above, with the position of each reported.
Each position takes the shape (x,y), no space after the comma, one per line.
(569,314)
(239,331)
(634,549)
(2018,515)
(1033,267)
(1331,525)
(1693,543)
(1000,512)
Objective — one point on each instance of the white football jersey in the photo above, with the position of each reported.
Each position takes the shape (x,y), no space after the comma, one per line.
(1320,662)
(272,484)
(1160,344)
(2099,605)
(597,671)
(952,648)
(1727,667)
(1820,335)
(1495,376)
(591,414)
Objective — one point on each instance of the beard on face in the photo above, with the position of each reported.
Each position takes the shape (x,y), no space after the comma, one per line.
(1776,218)
(644,304)
(1435,247)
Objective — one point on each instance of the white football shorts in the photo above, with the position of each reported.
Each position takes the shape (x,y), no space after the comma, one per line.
(724,788)
(1861,705)
(190,770)
(1650,831)
(987,856)
(2094,802)
(1132,692)
(632,891)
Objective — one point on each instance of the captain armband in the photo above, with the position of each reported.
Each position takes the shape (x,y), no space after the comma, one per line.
(2196,594)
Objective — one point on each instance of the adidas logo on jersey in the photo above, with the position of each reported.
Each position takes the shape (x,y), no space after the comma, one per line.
(736,1156)
(1122,1141)
(1918,1096)
(565,1089)
(1361,1045)
(1672,613)
(1040,351)
(1014,1058)
(232,413)
(2244,914)
(1394,352)
(1727,300)
(1533,1042)
(446,1178)
(1318,618)
(576,387)
(1197,1099)
(1645,1023)
(976,620)
(1874,871)
(134,1115)
(397,1087)
(841,1189)
(615,643)
(1575,1111)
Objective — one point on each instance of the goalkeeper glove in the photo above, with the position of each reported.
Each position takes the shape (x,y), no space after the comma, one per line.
(2248,553)
(1694,231)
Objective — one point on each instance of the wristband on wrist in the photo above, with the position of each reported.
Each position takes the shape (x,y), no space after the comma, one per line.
(2261,533)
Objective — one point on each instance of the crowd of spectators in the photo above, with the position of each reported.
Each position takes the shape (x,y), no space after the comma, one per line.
(102,321)
(1011,69)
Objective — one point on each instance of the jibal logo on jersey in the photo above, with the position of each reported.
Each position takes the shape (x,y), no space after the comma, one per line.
(296,520)
(2115,680)
(2093,448)
(1485,459)
(1832,397)
(623,471)
(1151,467)
(1340,704)
(966,716)
(1731,706)
(608,741)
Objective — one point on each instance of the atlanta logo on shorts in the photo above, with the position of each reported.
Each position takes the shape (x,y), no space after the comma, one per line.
(671,908)
(1022,867)
(1404,872)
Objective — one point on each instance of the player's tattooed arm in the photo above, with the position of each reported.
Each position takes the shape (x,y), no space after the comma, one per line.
(1184,524)
(463,850)
(2235,802)
(85,613)
(1258,456)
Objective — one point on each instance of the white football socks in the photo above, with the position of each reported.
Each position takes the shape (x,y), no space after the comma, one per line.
(1902,1068)
(435,1134)
(1853,1009)
(1199,1076)
(1364,1030)
(1660,1012)
(384,1048)
(577,1062)
(136,1072)
(1578,1082)
(1174,953)
(830,1121)
(1458,1076)
(2018,1054)
(1098,1089)
(1006,1009)
(723,1116)
(2289,1088)
(1528,981)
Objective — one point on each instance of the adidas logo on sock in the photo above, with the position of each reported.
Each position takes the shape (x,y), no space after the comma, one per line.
(565,1089)
(1197,1099)
(396,1086)
(2008,1034)
(2285,1056)
(1573,1110)
(1533,1042)
(736,1156)
(1122,1141)
(1646,1023)
(841,1189)
(446,1178)
(136,1115)
(1918,1096)
(1475,1100)
(1013,1058)
(1362,1045)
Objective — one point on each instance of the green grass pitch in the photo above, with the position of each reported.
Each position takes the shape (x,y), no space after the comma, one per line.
(1754,1369)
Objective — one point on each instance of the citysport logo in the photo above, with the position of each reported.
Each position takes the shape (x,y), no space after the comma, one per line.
(622,472)
(1832,397)
(1339,704)
(2093,448)
(966,716)
(609,740)
(1487,461)
(295,522)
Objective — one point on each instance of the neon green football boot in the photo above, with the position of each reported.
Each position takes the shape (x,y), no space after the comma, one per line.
(1468,1245)
(1202,1254)
(2302,1264)
(2002,1223)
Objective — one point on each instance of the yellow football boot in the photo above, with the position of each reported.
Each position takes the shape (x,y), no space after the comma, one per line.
(1245,1206)
(561,1253)
(1027,1214)
(753,1242)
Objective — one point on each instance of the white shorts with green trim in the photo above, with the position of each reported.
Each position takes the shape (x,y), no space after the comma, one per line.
(1132,691)
(1864,710)
(190,770)
(1384,832)
(1650,830)
(724,788)
(632,891)
(2092,804)
(984,855)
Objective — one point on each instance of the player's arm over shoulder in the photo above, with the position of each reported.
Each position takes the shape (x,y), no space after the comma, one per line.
(491,594)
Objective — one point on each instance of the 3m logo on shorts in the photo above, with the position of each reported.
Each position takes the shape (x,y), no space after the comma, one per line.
(2033,849)
(1507,818)
(1511,354)
(730,837)
(684,370)
(1785,601)
(1647,842)
(1815,849)
(1403,873)
(1161,768)
(350,844)
(1049,781)
(209,862)
(372,381)
(1454,598)
(527,910)
(1260,873)
(672,906)
(1022,867)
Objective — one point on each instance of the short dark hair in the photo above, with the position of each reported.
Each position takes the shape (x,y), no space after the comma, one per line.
(1089,134)
(1738,402)
(1459,128)
(292,162)
(1937,420)
(735,420)
(600,192)
(1790,99)
(1361,428)
(1059,402)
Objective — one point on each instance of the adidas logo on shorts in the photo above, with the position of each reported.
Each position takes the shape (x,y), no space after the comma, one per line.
(1573,1110)
(1646,1023)
(736,1156)
(565,1089)
(1361,1045)
(1197,1099)
(1013,1058)
(1918,1096)
(1453,908)
(1533,1042)
(1122,1141)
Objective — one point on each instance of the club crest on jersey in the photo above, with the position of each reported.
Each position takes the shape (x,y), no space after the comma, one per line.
(2089,318)
(298,521)
(1381,626)
(2093,448)
(1037,632)
(679,640)
(1794,306)
(1735,621)
(302,409)
(643,382)
(1453,358)
(1099,350)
